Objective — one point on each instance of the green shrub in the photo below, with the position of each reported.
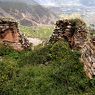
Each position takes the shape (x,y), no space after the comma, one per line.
(51,70)
(8,72)
(5,50)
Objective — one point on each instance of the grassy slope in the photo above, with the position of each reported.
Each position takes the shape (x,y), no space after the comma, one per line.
(42,32)
(51,70)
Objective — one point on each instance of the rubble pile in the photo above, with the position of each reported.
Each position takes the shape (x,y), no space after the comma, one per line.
(10,34)
(75,32)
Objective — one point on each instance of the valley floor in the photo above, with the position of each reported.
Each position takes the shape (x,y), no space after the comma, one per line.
(35,41)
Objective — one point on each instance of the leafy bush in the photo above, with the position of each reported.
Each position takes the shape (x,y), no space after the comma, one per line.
(5,50)
(51,70)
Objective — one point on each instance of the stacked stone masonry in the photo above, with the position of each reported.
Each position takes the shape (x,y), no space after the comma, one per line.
(72,31)
(10,34)
(75,32)
(88,58)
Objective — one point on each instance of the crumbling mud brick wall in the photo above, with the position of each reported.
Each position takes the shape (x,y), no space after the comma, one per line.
(75,32)
(10,34)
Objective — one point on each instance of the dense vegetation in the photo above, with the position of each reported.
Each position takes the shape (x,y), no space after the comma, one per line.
(50,70)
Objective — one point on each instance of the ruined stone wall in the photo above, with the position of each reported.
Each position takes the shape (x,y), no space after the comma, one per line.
(76,34)
(10,34)
(88,58)
(73,31)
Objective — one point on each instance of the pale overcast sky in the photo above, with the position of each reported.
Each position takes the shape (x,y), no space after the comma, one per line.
(59,2)
(67,2)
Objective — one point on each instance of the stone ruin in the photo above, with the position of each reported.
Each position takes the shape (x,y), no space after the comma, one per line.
(75,32)
(10,35)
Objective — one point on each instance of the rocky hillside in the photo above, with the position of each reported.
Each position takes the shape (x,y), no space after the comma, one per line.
(27,14)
